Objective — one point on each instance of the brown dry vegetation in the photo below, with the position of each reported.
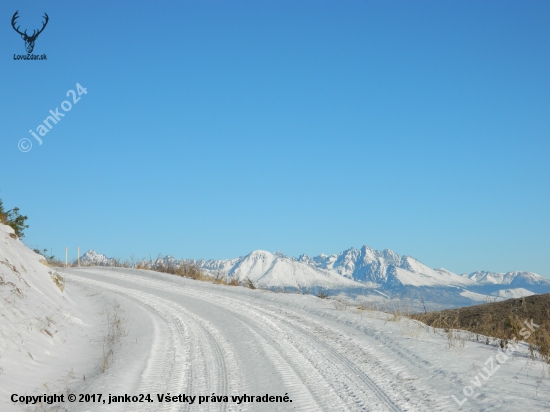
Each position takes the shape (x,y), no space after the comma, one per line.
(185,270)
(195,272)
(500,320)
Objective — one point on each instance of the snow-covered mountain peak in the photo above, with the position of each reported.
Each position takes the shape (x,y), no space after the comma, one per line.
(384,270)
(261,255)
(516,278)
(91,257)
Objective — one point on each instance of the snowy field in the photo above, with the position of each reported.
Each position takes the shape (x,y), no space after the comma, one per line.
(134,332)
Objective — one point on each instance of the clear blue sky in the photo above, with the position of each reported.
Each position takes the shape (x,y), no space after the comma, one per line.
(212,128)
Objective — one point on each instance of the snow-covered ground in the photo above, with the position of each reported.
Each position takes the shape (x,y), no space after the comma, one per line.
(133,332)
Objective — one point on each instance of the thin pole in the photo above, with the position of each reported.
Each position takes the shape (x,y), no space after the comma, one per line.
(79,256)
(66,256)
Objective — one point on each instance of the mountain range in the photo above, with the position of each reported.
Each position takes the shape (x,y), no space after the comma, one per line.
(364,270)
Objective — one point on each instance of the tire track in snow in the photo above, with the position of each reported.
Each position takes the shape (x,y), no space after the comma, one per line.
(300,392)
(336,371)
(282,352)
(308,387)
(347,368)
(193,345)
(421,396)
(409,363)
(332,377)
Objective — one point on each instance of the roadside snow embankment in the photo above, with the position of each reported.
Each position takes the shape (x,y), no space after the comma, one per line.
(31,305)
(49,344)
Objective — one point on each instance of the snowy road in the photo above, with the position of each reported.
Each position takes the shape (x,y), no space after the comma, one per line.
(201,339)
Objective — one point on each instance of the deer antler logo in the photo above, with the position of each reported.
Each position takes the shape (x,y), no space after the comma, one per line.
(29,40)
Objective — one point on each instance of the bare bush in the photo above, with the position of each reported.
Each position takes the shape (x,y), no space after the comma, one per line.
(322,295)
(232,282)
(248,283)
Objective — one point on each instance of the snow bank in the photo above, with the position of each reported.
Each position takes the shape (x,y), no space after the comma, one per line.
(31,302)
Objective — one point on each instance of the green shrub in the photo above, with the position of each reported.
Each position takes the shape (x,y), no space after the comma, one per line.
(13,219)
(3,215)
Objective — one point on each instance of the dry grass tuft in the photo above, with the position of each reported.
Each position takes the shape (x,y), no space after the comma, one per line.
(232,282)
(58,280)
(322,295)
(115,333)
(248,283)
